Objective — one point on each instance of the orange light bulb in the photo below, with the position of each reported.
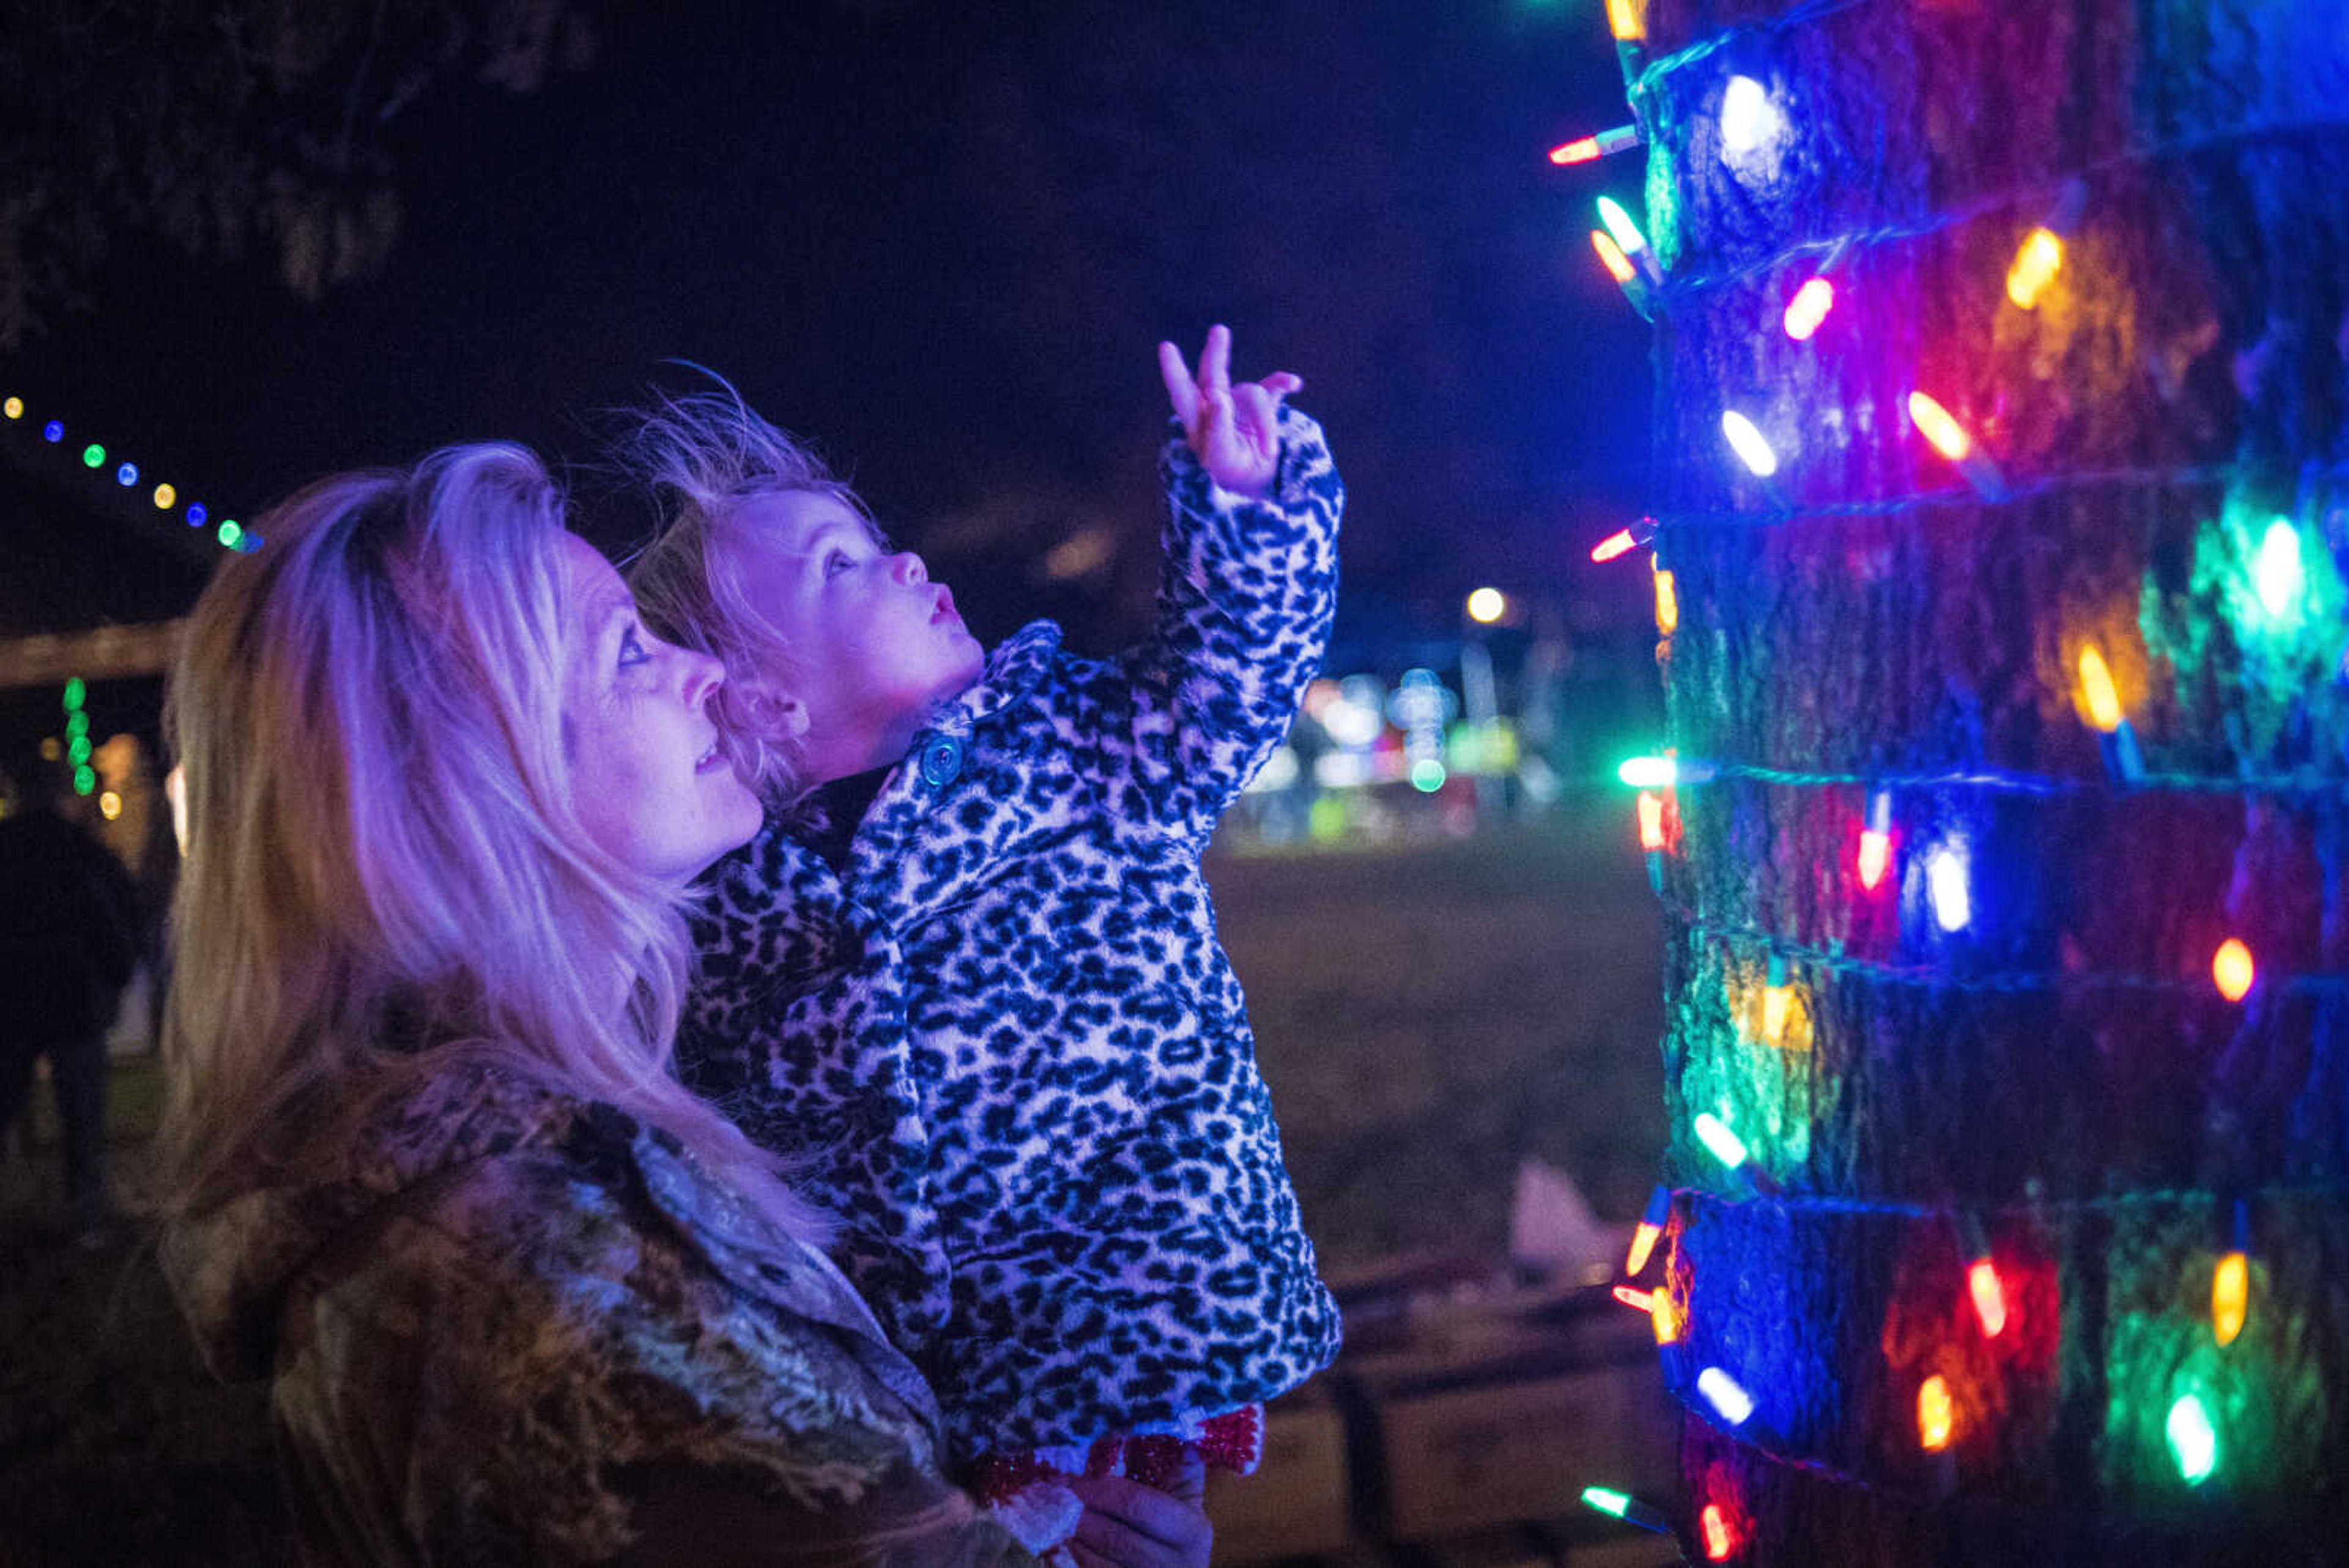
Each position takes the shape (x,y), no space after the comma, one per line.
(1989,1295)
(1651,820)
(1610,254)
(1936,425)
(2096,689)
(1935,1414)
(2232,968)
(2230,1291)
(1628,20)
(2036,263)
(1664,1316)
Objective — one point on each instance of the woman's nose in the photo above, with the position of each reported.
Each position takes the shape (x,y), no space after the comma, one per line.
(906,568)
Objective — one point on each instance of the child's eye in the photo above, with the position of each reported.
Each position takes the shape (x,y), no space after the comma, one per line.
(632,650)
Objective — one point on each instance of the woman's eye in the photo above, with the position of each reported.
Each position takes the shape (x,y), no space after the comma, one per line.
(632,648)
(835,563)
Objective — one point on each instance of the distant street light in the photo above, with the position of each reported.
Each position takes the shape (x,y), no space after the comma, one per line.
(1486,606)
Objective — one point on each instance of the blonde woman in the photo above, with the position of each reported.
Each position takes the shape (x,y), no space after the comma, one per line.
(521,1298)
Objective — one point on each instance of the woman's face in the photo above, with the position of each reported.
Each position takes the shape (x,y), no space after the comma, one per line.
(647,776)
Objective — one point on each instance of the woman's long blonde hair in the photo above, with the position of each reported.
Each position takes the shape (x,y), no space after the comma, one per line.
(385,875)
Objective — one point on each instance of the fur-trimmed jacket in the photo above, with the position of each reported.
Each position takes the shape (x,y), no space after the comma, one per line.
(517,1327)
(1006,1038)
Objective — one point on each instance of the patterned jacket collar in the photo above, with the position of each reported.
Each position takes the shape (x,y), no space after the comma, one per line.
(1018,665)
(807,926)
(235,1268)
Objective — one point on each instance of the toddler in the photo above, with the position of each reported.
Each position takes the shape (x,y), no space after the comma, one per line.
(969,971)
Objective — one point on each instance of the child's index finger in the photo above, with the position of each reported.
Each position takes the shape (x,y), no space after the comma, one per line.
(1181,391)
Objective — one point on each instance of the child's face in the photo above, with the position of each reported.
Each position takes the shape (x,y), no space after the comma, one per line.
(874,642)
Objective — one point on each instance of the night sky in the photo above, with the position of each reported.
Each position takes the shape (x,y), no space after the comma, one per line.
(941,241)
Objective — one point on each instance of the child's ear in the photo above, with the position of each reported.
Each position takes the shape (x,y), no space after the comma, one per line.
(780,717)
(790,716)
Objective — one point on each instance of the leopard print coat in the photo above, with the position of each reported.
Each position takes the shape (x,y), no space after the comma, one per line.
(1007,1041)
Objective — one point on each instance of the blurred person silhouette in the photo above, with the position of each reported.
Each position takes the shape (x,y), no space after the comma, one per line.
(69,938)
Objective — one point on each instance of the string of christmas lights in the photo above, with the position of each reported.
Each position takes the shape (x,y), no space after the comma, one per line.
(1966,1387)
(1687,287)
(1834,961)
(1648,773)
(1729,1407)
(2026,1208)
(228,531)
(1948,497)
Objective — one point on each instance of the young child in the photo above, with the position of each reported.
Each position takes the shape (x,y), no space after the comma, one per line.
(970,969)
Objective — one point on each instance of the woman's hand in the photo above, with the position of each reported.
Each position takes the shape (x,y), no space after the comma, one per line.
(1129,1525)
(1234,430)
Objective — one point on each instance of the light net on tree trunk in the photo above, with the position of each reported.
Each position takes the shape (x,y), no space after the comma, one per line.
(2003,620)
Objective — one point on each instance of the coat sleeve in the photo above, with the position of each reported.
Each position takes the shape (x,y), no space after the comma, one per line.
(1246,592)
(583,1390)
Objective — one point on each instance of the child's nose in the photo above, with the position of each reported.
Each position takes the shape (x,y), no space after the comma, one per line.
(906,568)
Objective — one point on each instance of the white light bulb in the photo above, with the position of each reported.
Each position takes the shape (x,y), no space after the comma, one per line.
(1748,117)
(1945,883)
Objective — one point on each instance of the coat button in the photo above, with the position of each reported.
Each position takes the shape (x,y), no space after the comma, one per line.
(941,760)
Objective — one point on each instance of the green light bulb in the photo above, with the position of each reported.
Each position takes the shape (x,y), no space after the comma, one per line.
(93,454)
(1606,1499)
(1619,224)
(2192,1440)
(1649,773)
(229,532)
(1427,775)
(77,723)
(85,779)
(1722,1144)
(78,748)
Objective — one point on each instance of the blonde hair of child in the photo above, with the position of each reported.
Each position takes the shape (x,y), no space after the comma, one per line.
(385,878)
(702,454)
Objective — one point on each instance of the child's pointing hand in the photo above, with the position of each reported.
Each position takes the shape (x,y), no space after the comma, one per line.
(1234,430)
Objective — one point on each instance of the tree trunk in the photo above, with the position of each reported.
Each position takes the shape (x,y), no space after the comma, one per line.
(2161,474)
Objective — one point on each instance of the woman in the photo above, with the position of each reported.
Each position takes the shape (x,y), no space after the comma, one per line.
(522,1298)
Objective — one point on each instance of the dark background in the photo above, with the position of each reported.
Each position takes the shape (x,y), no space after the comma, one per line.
(940,240)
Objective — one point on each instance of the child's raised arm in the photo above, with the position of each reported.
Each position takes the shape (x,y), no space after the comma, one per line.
(1246,592)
